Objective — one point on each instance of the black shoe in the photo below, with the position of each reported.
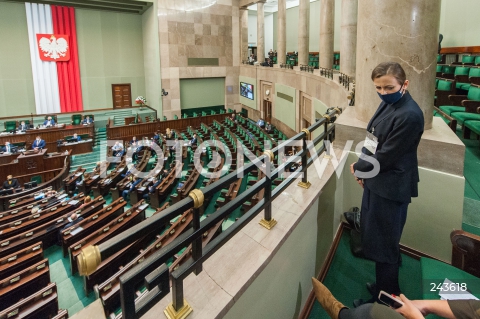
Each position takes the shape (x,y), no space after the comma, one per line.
(353,218)
(372,288)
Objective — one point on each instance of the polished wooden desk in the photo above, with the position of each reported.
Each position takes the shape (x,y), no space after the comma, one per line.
(81,147)
(51,135)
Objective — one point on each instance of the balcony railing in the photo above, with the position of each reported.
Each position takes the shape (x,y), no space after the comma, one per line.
(153,273)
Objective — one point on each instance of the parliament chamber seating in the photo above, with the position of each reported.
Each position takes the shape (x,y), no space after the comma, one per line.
(24,236)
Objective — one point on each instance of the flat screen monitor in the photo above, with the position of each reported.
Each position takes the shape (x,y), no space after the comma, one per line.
(246,90)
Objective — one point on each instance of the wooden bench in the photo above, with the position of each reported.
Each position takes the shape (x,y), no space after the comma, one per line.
(70,182)
(109,266)
(103,186)
(109,291)
(20,285)
(20,260)
(41,304)
(93,178)
(26,199)
(124,221)
(69,235)
(163,189)
(62,314)
(20,212)
(31,221)
(47,233)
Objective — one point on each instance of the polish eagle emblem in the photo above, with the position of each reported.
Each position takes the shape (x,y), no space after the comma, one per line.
(53,47)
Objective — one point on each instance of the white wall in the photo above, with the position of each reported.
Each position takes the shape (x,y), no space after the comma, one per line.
(459,23)
(252,28)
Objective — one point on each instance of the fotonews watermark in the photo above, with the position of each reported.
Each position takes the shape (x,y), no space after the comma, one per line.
(221,157)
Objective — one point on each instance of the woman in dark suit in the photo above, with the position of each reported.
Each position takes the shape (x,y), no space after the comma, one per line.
(388,172)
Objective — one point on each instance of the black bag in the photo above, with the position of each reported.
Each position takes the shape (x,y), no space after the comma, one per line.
(353,219)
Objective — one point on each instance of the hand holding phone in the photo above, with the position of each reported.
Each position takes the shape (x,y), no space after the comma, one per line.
(389,300)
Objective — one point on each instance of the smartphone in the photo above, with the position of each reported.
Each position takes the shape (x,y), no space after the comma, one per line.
(389,300)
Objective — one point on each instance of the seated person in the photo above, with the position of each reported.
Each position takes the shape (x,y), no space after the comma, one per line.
(193,141)
(134,182)
(87,120)
(117,149)
(11,183)
(9,148)
(131,168)
(156,137)
(49,122)
(261,123)
(76,138)
(38,143)
(23,126)
(411,309)
(268,127)
(75,218)
(168,134)
(151,189)
(86,201)
(96,170)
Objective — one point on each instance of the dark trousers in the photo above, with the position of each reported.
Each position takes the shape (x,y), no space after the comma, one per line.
(382,221)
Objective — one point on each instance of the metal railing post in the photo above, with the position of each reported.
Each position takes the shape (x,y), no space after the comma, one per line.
(198,199)
(267,221)
(305,183)
(179,308)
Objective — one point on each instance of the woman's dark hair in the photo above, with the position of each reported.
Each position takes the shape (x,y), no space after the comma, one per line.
(389,68)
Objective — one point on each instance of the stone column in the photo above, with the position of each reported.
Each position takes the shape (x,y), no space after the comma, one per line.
(260,32)
(348,38)
(303,31)
(327,19)
(282,32)
(406,33)
(244,34)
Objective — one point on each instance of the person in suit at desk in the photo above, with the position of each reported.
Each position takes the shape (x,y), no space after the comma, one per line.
(168,134)
(76,138)
(49,122)
(23,126)
(38,143)
(87,120)
(193,141)
(117,149)
(128,190)
(151,189)
(11,183)
(9,148)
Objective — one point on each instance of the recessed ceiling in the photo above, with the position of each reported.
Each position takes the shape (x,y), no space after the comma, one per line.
(272,5)
(127,6)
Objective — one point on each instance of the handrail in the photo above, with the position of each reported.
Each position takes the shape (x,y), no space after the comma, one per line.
(153,273)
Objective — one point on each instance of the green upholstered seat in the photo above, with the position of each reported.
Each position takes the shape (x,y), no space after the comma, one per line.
(461,117)
(448,71)
(435,272)
(77,119)
(449,109)
(477,60)
(175,117)
(461,70)
(473,125)
(10,125)
(37,179)
(164,118)
(467,59)
(184,115)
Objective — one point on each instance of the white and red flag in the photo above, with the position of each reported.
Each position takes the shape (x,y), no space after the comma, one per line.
(54,56)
